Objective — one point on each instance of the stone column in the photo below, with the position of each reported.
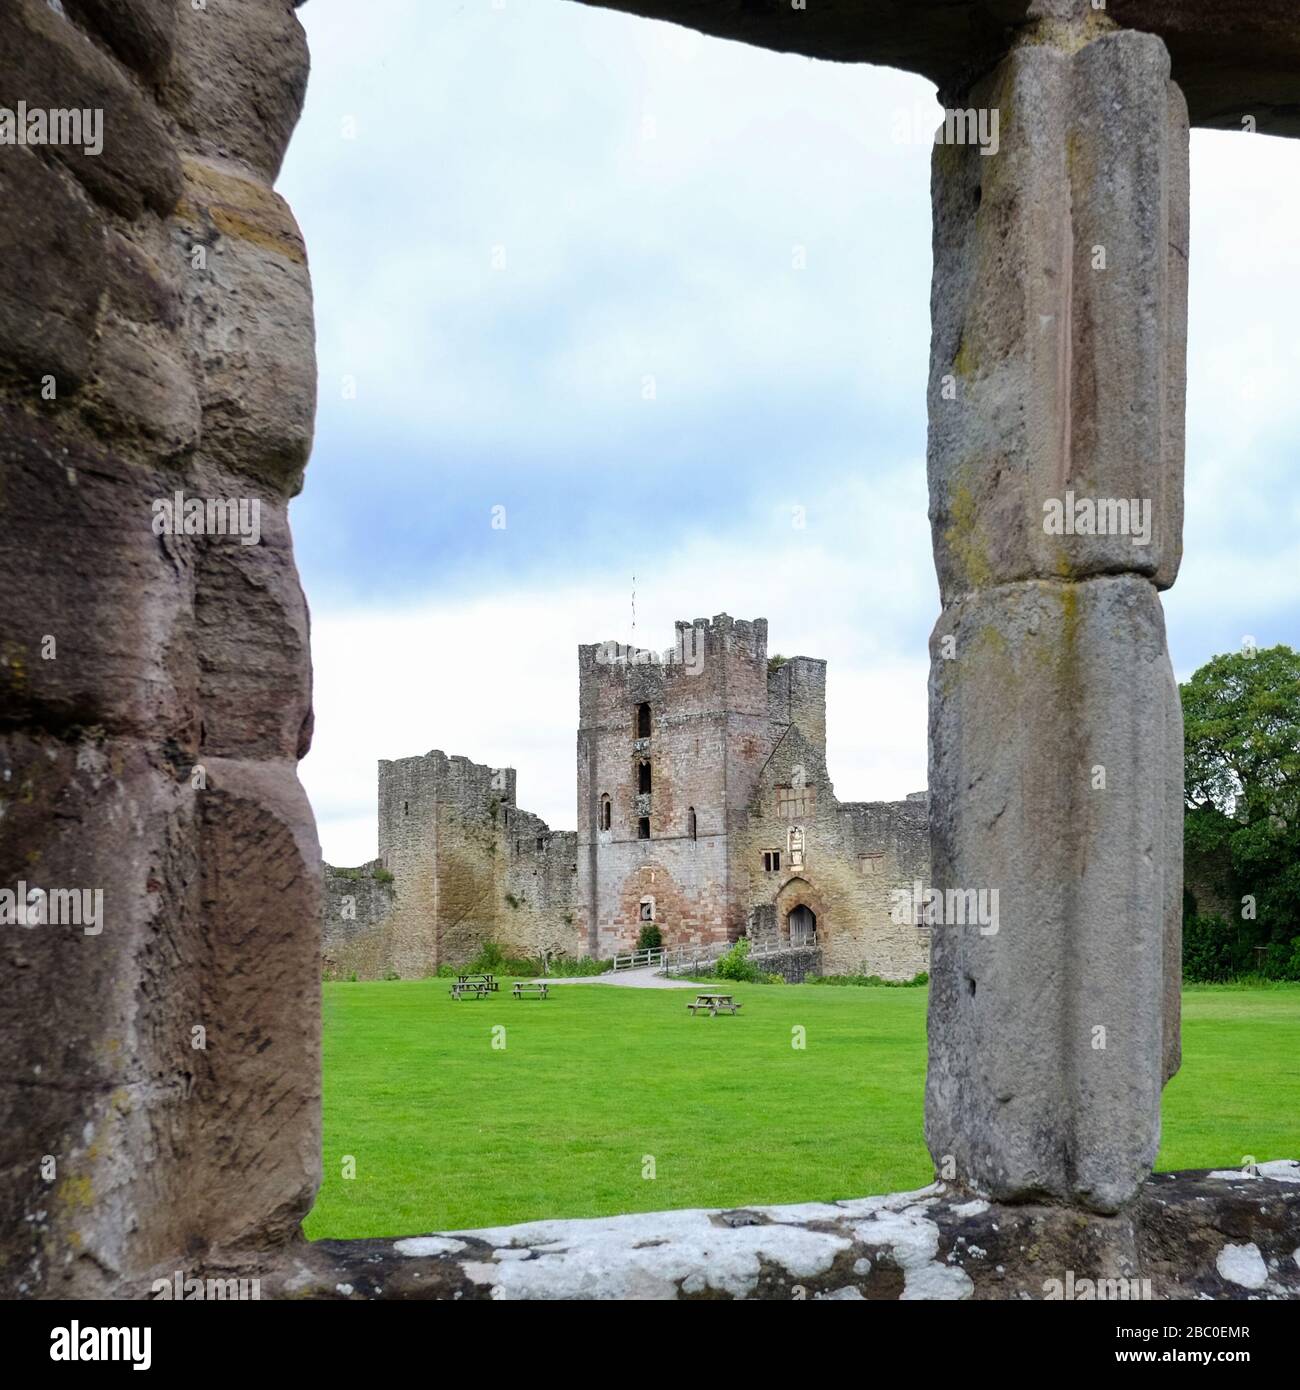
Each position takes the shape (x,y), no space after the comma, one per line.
(159,1065)
(1057,375)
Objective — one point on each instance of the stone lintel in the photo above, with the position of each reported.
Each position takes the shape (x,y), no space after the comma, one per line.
(1233,58)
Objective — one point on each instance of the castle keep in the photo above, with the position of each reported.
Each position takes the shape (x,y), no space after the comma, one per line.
(704,806)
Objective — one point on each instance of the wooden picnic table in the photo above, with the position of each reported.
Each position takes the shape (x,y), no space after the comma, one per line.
(488,982)
(478,989)
(523,988)
(714,1003)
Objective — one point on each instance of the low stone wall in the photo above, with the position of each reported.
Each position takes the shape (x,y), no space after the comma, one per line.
(793,965)
(1192,1235)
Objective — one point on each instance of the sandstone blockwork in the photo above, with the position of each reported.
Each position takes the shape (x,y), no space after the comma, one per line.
(159,1054)
(705,809)
(1058,369)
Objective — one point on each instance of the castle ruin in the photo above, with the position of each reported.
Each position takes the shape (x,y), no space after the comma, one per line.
(704,807)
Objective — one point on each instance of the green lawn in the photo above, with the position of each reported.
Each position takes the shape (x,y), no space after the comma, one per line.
(448,1132)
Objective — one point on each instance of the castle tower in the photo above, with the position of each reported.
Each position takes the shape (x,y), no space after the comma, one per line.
(670,746)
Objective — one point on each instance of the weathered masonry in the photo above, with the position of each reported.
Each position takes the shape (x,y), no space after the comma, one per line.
(705,804)
(459,865)
(705,807)
(156,334)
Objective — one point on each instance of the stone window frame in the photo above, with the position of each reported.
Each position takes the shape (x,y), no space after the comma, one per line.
(268,1227)
(771,861)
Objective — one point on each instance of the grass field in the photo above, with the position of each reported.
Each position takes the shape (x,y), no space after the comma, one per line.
(448,1132)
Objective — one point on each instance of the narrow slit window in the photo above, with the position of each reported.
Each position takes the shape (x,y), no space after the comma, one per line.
(643,828)
(643,721)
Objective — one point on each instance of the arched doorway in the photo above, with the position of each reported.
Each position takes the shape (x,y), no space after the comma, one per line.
(802,926)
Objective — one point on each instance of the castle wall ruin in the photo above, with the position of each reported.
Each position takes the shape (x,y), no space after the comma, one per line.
(697,770)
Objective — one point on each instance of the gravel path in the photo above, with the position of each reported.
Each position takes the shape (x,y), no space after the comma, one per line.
(629,979)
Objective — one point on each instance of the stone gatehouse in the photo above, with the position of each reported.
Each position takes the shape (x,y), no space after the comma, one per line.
(704,806)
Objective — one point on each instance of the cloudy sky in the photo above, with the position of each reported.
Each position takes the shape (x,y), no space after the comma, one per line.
(650,293)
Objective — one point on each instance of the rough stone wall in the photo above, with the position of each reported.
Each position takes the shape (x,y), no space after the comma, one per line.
(468,867)
(793,966)
(541,882)
(355,905)
(1207,878)
(155,689)
(855,855)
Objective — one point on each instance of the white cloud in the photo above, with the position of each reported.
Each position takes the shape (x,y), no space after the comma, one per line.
(496,679)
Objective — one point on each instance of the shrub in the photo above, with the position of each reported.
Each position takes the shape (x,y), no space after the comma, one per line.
(1282,961)
(521,967)
(650,938)
(736,965)
(489,961)
(869,981)
(383,876)
(1213,950)
(579,966)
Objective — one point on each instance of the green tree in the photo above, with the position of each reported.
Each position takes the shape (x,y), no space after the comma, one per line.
(650,938)
(1241,717)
